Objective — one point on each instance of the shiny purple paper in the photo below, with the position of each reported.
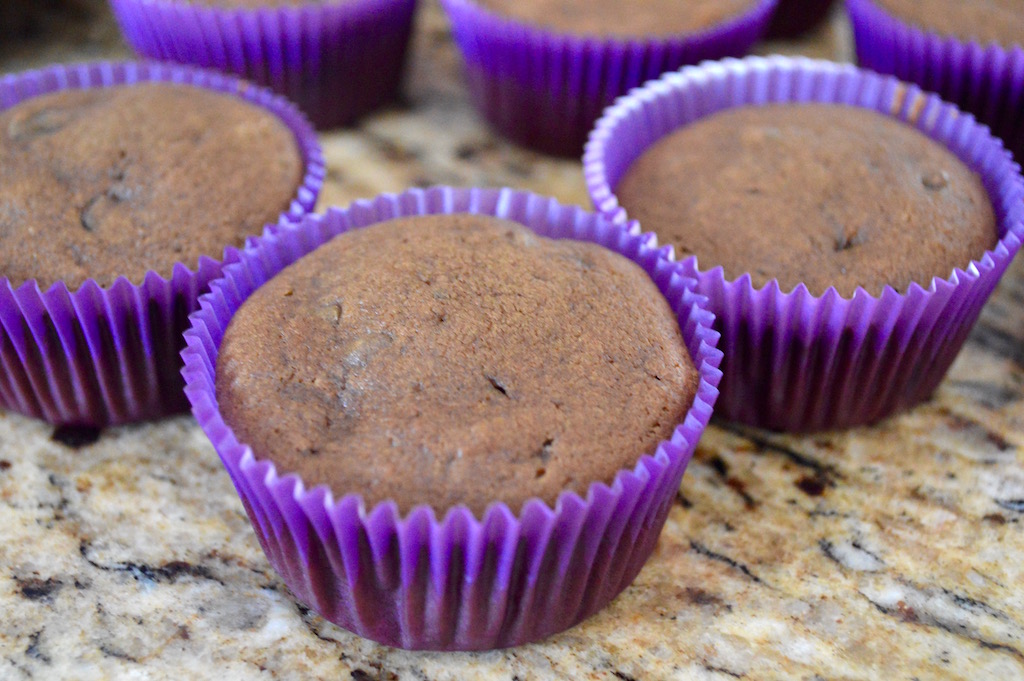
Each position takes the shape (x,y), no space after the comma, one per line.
(103,356)
(794,361)
(544,89)
(986,80)
(455,582)
(336,60)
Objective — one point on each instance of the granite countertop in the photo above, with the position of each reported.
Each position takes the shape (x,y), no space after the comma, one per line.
(890,552)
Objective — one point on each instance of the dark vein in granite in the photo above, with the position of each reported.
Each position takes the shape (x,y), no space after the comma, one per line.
(33,651)
(988,395)
(763,443)
(168,572)
(1015,505)
(722,670)
(35,589)
(960,423)
(721,469)
(830,552)
(718,557)
(110,651)
(998,342)
(911,615)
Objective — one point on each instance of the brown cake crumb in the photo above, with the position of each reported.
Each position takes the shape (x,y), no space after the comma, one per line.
(452,360)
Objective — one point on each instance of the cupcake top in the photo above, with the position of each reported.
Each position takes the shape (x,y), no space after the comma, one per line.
(455,359)
(824,195)
(104,182)
(617,18)
(984,21)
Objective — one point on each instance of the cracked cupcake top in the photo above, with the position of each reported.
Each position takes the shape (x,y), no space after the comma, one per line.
(824,195)
(450,360)
(116,181)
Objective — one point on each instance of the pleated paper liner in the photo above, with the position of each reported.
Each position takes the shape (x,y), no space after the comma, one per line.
(337,59)
(795,361)
(452,581)
(986,80)
(109,355)
(544,90)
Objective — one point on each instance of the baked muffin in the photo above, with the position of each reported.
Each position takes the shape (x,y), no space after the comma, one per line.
(982,21)
(476,364)
(827,196)
(338,60)
(458,364)
(834,312)
(124,186)
(970,53)
(103,183)
(541,71)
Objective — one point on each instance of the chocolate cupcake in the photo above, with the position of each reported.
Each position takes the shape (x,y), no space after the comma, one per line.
(845,254)
(970,53)
(464,404)
(124,184)
(542,71)
(336,59)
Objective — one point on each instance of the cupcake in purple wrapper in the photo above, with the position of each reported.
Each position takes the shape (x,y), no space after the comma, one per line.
(542,71)
(970,53)
(336,59)
(447,443)
(124,185)
(795,17)
(864,250)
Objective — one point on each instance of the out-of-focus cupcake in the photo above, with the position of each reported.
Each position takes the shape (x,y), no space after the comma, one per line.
(454,410)
(336,59)
(970,53)
(124,186)
(540,72)
(845,254)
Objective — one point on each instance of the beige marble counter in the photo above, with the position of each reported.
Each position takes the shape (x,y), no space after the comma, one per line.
(886,553)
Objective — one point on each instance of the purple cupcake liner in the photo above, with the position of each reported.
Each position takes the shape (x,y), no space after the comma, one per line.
(457,582)
(795,361)
(795,17)
(104,356)
(987,81)
(337,60)
(545,90)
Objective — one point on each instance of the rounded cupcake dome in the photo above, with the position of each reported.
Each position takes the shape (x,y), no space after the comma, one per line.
(500,573)
(337,60)
(543,86)
(101,275)
(799,359)
(971,54)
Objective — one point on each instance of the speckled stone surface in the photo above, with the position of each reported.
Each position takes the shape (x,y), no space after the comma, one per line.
(892,552)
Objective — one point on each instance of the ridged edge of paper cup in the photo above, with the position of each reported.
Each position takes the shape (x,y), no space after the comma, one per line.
(336,60)
(795,361)
(985,80)
(544,89)
(99,355)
